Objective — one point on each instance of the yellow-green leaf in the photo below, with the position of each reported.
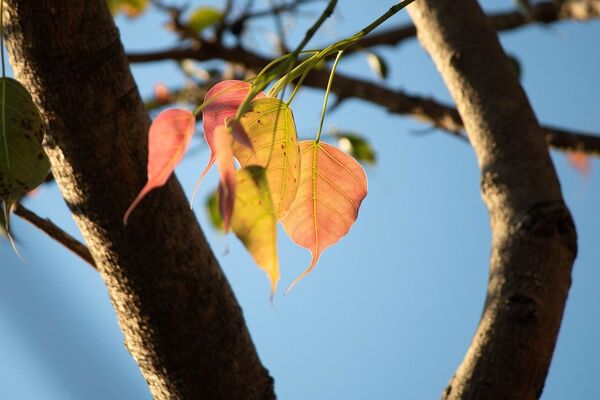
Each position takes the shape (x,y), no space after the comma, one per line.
(131,8)
(203,17)
(254,220)
(23,163)
(269,123)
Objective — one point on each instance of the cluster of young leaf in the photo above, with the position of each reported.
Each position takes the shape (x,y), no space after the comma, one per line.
(311,187)
(23,162)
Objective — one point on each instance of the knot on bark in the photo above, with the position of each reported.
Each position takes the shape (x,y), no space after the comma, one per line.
(525,308)
(547,219)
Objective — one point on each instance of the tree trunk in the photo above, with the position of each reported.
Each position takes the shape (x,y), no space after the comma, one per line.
(534,240)
(179,316)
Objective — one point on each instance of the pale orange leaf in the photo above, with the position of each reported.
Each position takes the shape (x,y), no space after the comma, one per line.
(332,187)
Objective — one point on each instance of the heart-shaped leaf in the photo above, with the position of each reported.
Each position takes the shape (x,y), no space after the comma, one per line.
(254,220)
(168,139)
(222,102)
(332,187)
(23,162)
(270,126)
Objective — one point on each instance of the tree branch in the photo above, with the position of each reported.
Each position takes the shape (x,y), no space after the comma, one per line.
(178,314)
(534,242)
(54,232)
(545,12)
(425,110)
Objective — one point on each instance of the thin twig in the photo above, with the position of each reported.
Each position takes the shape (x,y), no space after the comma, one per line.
(546,12)
(221,26)
(282,46)
(277,9)
(56,233)
(313,29)
(443,116)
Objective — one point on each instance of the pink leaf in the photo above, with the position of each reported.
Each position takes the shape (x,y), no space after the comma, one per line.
(332,187)
(224,158)
(168,140)
(222,102)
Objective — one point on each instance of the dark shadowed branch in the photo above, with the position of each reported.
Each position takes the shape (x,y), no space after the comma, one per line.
(545,12)
(179,317)
(426,110)
(534,242)
(56,233)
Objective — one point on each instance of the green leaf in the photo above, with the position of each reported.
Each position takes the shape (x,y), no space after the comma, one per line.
(203,17)
(212,209)
(23,163)
(357,146)
(378,65)
(131,8)
(254,220)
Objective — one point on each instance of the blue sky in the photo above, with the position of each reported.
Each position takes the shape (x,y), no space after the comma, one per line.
(391,309)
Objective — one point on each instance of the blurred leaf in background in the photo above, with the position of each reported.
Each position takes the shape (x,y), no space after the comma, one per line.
(131,8)
(357,146)
(203,17)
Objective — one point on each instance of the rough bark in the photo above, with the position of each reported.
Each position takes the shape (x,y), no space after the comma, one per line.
(534,240)
(178,314)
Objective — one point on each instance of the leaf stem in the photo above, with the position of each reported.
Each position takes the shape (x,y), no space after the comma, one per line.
(324,110)
(338,46)
(258,86)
